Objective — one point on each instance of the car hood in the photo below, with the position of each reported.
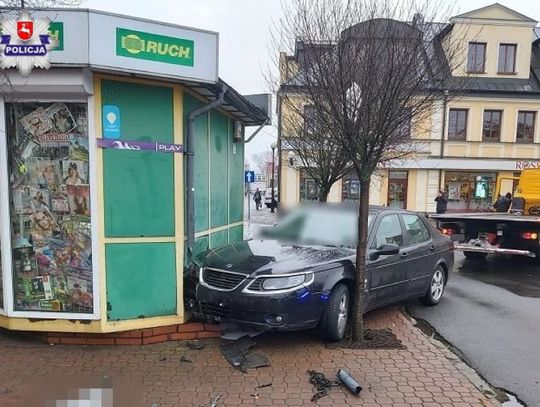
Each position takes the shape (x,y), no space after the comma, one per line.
(272,257)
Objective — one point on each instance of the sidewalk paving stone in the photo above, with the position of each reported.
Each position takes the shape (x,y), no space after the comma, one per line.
(421,375)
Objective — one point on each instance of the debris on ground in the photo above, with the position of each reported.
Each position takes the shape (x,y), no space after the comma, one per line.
(321,384)
(255,393)
(233,332)
(214,402)
(195,344)
(185,360)
(239,355)
(4,390)
(163,358)
(349,382)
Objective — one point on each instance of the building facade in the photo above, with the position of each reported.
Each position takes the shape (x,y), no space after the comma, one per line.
(488,132)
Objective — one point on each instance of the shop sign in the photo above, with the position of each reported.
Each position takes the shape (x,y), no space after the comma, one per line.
(56,32)
(153,47)
(111,122)
(521,165)
(140,145)
(25,43)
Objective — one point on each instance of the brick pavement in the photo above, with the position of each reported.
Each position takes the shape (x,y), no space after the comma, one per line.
(422,375)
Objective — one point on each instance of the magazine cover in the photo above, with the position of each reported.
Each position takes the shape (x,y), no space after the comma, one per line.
(44,173)
(82,126)
(53,139)
(61,118)
(59,200)
(24,262)
(78,148)
(40,199)
(79,291)
(79,199)
(43,222)
(74,172)
(51,153)
(22,200)
(36,122)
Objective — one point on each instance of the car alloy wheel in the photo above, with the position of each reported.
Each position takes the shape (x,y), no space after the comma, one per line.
(437,285)
(334,319)
(343,313)
(435,289)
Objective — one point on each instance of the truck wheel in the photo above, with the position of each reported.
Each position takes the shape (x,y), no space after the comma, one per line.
(435,290)
(336,314)
(475,256)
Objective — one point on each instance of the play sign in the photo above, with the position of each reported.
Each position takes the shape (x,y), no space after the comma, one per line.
(135,145)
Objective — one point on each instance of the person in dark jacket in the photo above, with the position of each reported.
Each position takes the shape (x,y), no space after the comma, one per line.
(442,202)
(503,203)
(257,198)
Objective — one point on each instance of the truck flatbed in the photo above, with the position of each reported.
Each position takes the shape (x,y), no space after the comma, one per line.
(489,216)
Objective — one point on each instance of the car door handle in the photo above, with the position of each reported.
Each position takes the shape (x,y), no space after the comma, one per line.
(404,254)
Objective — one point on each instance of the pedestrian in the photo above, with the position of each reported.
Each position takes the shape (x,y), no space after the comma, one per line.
(257,198)
(442,202)
(503,203)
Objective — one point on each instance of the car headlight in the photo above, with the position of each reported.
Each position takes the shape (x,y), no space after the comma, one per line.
(283,283)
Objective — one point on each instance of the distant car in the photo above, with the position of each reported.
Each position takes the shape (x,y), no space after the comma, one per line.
(301,275)
(268,197)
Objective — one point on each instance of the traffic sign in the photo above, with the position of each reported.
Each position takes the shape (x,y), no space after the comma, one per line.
(249,176)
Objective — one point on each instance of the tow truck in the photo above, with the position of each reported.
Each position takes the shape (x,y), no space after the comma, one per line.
(516,232)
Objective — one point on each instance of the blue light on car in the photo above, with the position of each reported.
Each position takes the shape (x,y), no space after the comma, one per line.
(324,297)
(302,295)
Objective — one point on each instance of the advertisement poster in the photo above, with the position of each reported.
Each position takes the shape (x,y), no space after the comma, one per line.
(36,122)
(50,207)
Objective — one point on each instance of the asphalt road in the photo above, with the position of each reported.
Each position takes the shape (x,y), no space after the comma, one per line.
(491,313)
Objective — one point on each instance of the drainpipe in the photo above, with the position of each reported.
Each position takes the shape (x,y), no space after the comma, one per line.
(190,204)
(443,133)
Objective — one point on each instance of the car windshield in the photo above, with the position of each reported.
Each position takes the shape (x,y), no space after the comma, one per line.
(332,227)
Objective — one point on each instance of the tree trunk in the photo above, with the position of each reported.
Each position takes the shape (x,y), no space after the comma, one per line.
(323,194)
(361,249)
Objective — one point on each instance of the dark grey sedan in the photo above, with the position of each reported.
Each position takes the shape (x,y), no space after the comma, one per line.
(301,274)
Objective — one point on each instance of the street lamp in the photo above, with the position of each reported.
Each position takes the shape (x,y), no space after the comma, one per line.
(272,204)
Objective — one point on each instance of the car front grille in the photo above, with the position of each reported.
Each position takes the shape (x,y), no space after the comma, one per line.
(214,311)
(256,285)
(222,280)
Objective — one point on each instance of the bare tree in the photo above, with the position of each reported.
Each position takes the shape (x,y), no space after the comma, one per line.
(261,161)
(371,71)
(319,153)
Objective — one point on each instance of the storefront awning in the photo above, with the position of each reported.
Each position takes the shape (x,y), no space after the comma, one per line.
(235,104)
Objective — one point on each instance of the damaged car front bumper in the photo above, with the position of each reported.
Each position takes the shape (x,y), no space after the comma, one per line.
(241,299)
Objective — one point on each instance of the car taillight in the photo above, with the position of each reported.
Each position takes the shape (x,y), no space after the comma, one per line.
(529,235)
(447,231)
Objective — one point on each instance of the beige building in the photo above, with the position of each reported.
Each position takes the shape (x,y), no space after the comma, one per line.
(490,131)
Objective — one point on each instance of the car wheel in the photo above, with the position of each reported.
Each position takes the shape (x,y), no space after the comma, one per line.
(435,290)
(336,314)
(475,256)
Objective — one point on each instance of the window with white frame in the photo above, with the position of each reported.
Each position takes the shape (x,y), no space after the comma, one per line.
(48,153)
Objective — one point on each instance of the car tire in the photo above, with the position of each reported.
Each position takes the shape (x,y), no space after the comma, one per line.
(334,319)
(476,256)
(436,287)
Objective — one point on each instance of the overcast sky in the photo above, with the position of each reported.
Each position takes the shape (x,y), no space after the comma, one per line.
(244,35)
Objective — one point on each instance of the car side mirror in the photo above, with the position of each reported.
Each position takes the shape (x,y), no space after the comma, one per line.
(384,250)
(388,250)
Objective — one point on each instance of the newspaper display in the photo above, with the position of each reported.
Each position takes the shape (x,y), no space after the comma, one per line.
(50,207)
